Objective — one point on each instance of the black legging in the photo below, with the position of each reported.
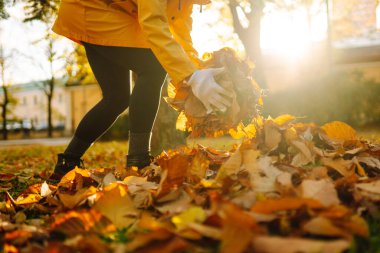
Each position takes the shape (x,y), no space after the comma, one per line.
(111,67)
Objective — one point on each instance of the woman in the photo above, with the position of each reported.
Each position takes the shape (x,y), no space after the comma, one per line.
(149,37)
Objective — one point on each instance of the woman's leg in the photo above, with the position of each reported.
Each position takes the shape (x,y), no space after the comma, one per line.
(145,98)
(110,66)
(113,80)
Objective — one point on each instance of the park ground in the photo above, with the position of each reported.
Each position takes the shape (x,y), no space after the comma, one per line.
(29,161)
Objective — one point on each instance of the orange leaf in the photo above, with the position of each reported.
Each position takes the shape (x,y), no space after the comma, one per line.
(72,200)
(237,231)
(142,240)
(176,167)
(78,222)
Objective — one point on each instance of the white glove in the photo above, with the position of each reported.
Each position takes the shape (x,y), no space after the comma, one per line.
(208,91)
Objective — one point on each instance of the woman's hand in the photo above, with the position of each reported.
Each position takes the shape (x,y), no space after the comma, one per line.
(208,91)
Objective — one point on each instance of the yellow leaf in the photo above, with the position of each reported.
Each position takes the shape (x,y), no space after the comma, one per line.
(191,215)
(242,131)
(181,122)
(199,165)
(117,206)
(210,183)
(238,133)
(28,199)
(171,90)
(284,119)
(339,131)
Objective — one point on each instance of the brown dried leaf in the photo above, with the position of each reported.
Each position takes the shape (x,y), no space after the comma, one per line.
(199,165)
(323,226)
(305,155)
(231,166)
(321,190)
(272,136)
(263,175)
(267,244)
(142,240)
(344,167)
(370,191)
(274,205)
(176,206)
(174,245)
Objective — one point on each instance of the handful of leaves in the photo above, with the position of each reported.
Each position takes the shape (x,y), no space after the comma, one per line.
(237,79)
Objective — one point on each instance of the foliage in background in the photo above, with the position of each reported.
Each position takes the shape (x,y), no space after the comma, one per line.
(43,10)
(3,13)
(7,100)
(78,68)
(341,95)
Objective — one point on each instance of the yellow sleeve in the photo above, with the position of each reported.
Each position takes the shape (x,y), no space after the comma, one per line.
(181,29)
(154,24)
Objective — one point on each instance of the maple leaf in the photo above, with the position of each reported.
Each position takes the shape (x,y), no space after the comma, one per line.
(116,205)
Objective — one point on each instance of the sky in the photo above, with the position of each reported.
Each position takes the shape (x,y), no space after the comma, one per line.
(282,33)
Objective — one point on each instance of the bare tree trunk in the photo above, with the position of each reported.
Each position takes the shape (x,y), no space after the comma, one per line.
(250,36)
(50,112)
(5,103)
(4,106)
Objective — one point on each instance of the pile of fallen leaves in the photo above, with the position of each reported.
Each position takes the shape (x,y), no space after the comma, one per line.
(289,188)
(237,79)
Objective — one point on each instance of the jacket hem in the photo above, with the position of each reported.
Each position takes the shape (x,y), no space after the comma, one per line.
(97,41)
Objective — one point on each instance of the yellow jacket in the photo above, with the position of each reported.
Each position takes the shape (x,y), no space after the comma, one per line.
(162,25)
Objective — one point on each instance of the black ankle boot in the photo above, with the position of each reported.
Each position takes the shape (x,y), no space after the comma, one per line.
(64,164)
(140,161)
